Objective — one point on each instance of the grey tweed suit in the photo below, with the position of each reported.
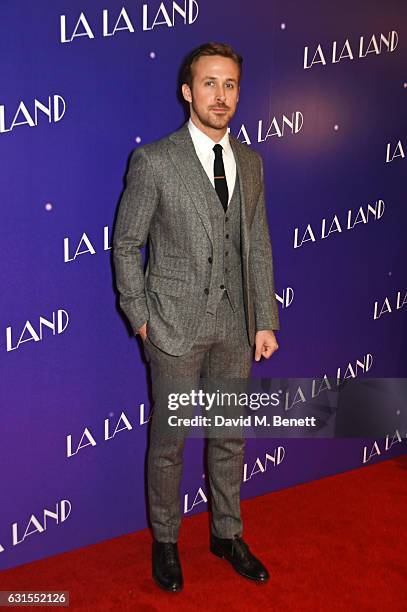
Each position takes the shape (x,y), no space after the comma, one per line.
(207,289)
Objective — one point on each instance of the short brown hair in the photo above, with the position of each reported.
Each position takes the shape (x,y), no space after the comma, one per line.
(210,48)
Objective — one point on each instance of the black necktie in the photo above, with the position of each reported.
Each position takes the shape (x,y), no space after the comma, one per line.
(221,185)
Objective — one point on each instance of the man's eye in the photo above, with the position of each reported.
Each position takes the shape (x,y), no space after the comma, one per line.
(229,85)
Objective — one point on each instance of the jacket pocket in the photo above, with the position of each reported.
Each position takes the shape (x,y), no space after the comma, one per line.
(166,285)
(173,262)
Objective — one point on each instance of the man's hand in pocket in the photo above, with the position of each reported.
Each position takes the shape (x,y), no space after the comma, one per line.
(143,331)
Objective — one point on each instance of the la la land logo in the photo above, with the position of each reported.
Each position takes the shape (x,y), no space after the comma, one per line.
(380,447)
(39,523)
(85,245)
(34,331)
(277,127)
(389,305)
(32,113)
(259,466)
(346,50)
(110,430)
(332,226)
(301,394)
(167,14)
(286,298)
(394,151)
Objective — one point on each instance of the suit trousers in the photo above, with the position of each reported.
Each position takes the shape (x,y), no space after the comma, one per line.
(220,350)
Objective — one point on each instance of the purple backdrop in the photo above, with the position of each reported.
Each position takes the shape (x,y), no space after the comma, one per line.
(83,83)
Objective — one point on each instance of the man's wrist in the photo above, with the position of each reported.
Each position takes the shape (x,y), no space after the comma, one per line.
(137,330)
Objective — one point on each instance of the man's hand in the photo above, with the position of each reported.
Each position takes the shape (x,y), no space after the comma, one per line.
(266,344)
(143,331)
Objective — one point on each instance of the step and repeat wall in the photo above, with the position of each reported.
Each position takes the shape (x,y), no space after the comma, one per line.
(84,82)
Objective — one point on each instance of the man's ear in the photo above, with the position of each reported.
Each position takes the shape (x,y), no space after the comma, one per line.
(186,92)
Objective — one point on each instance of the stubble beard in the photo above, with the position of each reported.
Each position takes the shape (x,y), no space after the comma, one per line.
(213,121)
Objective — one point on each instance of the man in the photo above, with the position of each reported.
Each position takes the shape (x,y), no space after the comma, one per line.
(207,297)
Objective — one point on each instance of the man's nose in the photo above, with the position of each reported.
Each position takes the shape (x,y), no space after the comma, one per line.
(220,94)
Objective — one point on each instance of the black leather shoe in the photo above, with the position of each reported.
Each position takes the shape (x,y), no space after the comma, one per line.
(236,551)
(167,571)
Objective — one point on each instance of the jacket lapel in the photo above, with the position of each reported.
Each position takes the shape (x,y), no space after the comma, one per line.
(187,163)
(245,178)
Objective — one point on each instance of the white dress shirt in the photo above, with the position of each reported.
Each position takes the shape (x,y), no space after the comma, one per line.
(204,149)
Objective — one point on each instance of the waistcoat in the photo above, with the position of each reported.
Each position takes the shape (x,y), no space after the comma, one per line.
(226,255)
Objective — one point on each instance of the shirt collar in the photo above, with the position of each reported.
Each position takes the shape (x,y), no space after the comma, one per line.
(205,144)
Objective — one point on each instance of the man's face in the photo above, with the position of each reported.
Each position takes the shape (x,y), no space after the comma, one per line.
(214,93)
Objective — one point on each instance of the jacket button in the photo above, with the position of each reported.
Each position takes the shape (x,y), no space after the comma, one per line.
(206,290)
(210,259)
(226,218)
(222,286)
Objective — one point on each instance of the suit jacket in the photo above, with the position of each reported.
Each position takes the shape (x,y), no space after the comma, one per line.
(164,202)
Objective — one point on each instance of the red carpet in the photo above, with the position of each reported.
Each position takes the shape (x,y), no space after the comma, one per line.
(339,543)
